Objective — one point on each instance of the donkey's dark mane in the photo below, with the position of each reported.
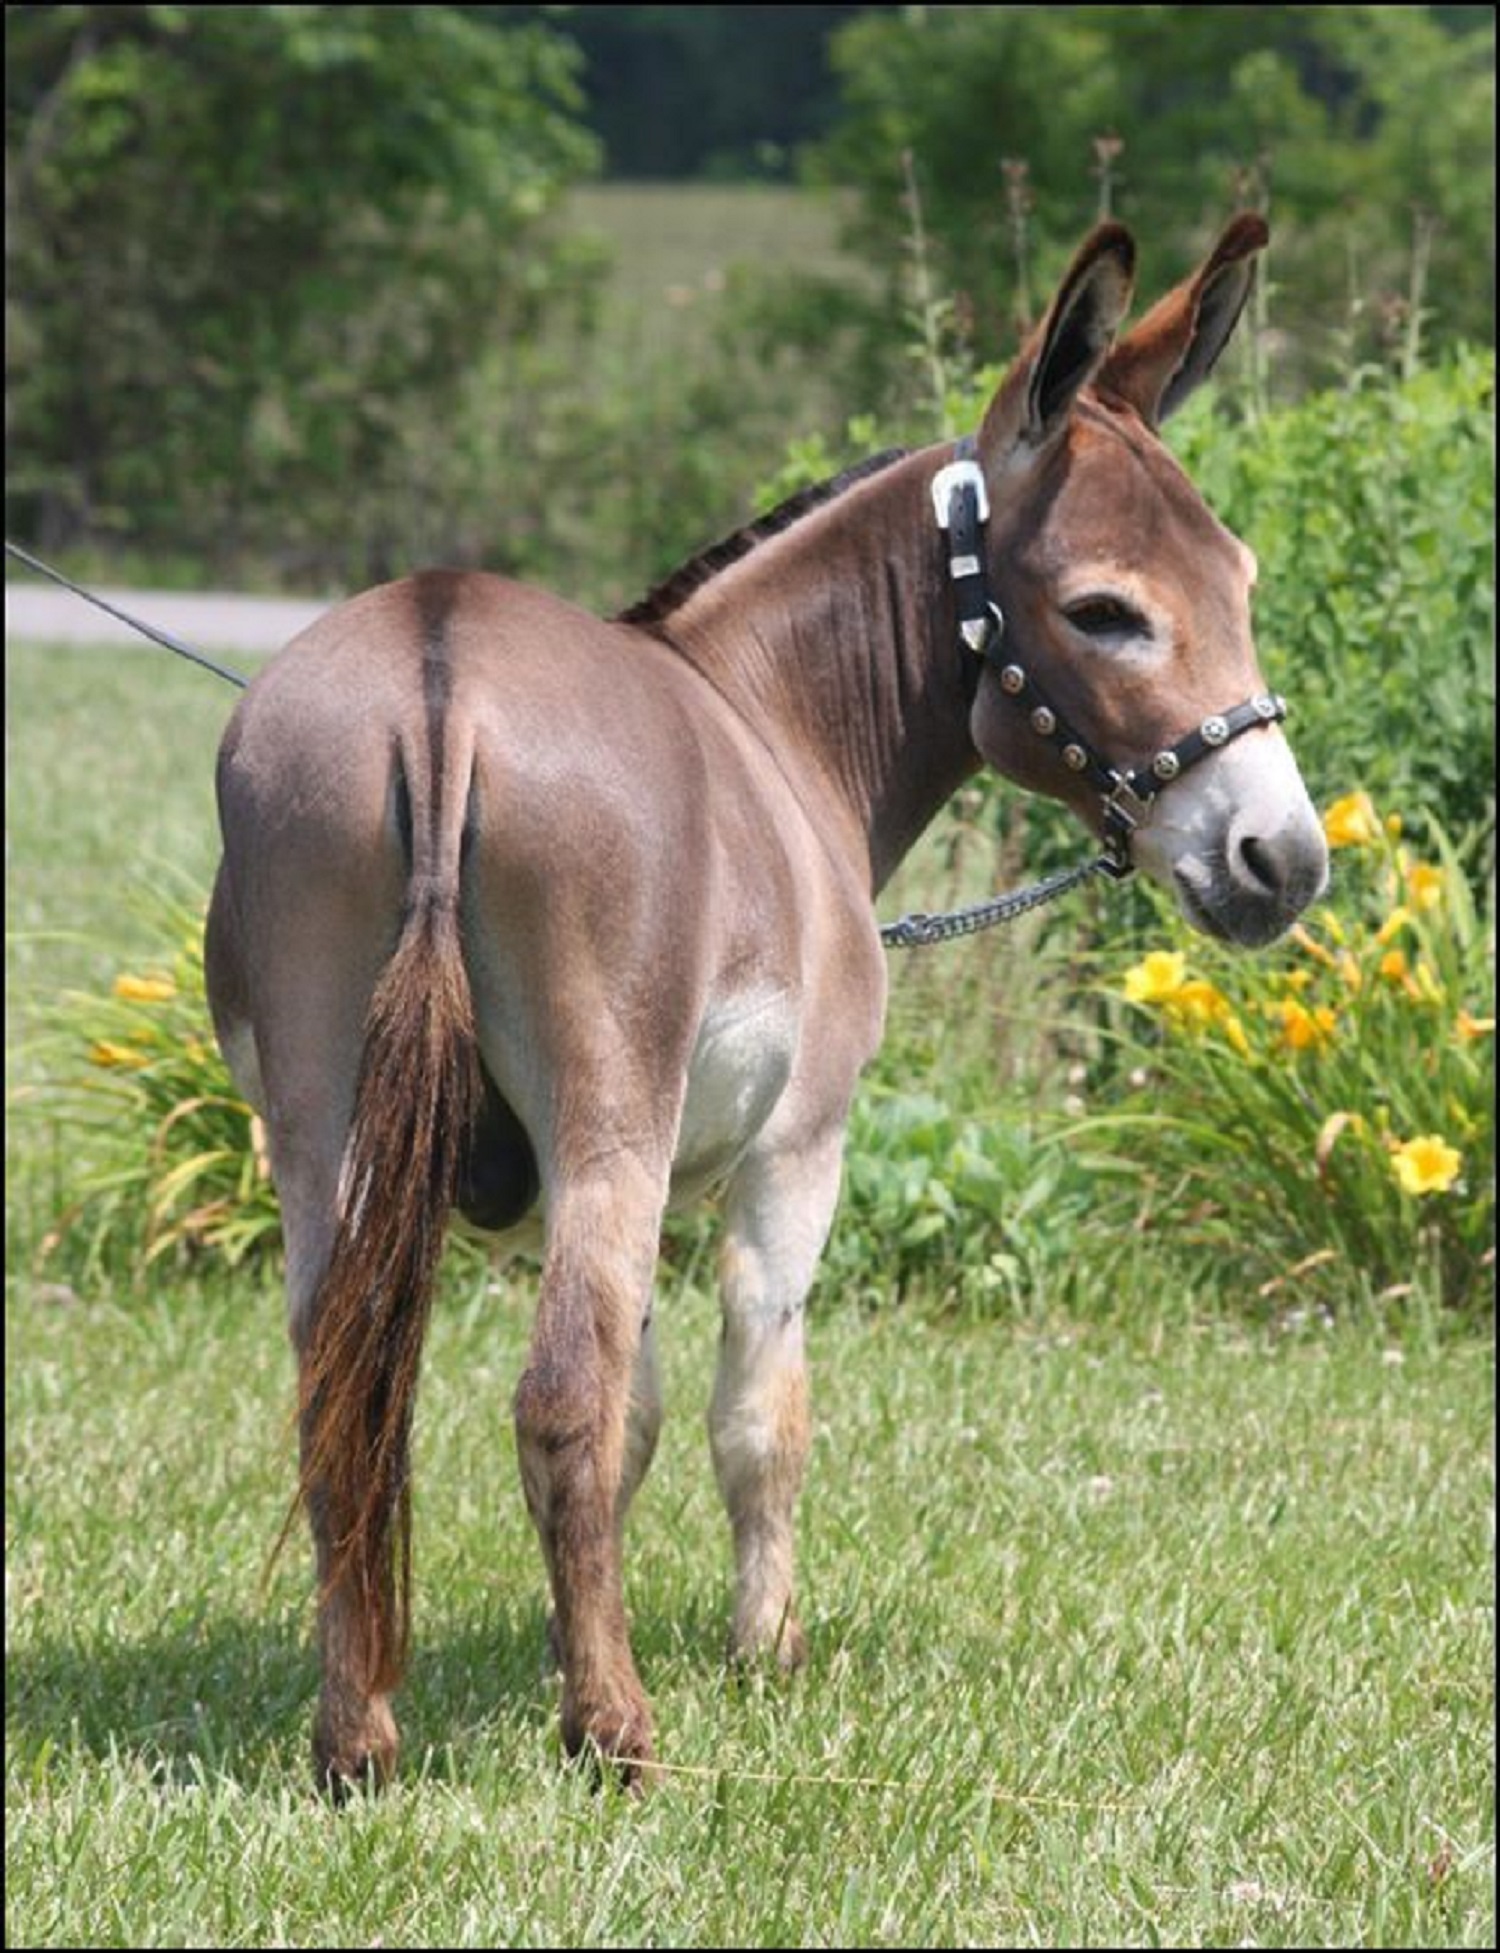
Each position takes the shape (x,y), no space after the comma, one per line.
(652,611)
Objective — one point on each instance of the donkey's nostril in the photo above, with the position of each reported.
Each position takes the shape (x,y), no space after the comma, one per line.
(1259,863)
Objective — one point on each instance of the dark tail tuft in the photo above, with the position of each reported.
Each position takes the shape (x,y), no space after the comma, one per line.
(418,1091)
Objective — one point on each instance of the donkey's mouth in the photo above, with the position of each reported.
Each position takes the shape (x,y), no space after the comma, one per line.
(1231,913)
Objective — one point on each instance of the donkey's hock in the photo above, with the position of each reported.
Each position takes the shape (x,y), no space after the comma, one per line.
(560,919)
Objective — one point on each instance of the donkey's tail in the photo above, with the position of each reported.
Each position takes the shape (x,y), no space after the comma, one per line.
(415,1101)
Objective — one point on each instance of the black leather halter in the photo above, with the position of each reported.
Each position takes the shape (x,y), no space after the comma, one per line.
(962,508)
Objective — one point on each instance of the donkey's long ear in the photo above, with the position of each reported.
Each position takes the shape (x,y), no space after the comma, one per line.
(1160,361)
(1068,347)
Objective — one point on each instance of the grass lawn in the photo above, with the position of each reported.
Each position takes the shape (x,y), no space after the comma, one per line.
(1149,1627)
(1117,1640)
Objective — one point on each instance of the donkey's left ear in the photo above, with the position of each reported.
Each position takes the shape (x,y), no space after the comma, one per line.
(1161,360)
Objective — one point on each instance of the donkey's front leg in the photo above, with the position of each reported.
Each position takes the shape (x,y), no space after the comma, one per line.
(778,1213)
(571,1408)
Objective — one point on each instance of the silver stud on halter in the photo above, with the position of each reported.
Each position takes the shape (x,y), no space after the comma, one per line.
(977,632)
(1012,680)
(1166,766)
(1214,731)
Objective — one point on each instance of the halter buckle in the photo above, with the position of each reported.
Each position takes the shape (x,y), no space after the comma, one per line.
(1124,809)
(958,474)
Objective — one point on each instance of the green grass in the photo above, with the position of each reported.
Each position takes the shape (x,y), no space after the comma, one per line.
(1137,1625)
(1116,1640)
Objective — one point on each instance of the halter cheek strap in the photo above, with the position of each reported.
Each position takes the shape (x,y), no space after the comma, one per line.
(961,506)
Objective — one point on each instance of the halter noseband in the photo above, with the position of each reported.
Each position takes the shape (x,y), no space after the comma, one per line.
(962,507)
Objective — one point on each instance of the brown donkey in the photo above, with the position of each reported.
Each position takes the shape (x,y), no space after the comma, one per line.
(561,920)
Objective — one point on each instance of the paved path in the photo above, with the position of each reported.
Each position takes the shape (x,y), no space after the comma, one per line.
(49,615)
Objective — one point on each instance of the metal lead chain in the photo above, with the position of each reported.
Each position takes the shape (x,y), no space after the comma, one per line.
(917,931)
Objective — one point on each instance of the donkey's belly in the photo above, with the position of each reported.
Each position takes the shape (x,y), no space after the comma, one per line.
(740,1066)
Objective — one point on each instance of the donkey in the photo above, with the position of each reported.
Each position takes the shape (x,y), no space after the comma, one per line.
(557,920)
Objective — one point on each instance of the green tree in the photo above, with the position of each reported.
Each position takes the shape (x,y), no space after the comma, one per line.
(254,256)
(1024,123)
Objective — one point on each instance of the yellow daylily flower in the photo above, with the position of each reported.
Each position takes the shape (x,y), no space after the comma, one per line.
(111,1056)
(1394,968)
(1157,977)
(1303,1029)
(1396,921)
(1197,1001)
(1424,884)
(1305,940)
(1470,1027)
(1234,1031)
(1426,1165)
(1351,822)
(144,990)
(1428,985)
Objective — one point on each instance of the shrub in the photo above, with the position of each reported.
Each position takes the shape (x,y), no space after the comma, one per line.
(1372,510)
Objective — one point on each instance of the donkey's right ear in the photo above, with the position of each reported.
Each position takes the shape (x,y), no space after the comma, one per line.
(1066,350)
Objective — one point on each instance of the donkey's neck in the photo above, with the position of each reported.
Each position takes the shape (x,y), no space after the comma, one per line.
(836,640)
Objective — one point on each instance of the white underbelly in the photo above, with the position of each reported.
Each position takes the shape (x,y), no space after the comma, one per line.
(740,1066)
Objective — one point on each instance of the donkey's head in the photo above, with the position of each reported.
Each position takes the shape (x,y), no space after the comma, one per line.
(1126,603)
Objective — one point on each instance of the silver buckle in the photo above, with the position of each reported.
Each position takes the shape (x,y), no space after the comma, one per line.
(958,474)
(1124,804)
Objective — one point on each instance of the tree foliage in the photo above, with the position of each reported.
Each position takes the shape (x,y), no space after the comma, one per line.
(1362,129)
(254,253)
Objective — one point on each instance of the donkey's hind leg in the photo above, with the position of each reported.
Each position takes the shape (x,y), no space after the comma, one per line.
(642,1428)
(582,1450)
(301,1079)
(777,1218)
(355,1739)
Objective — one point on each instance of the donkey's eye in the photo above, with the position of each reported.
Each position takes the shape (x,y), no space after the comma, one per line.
(1106,617)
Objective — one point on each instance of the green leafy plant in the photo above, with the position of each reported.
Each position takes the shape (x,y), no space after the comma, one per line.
(1320,1116)
(166,1156)
(976,1215)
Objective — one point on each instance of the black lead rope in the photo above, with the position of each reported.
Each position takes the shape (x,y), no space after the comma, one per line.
(961,507)
(164,638)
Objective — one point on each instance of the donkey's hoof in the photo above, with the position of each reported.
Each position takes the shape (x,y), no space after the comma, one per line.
(348,1760)
(781,1645)
(615,1742)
